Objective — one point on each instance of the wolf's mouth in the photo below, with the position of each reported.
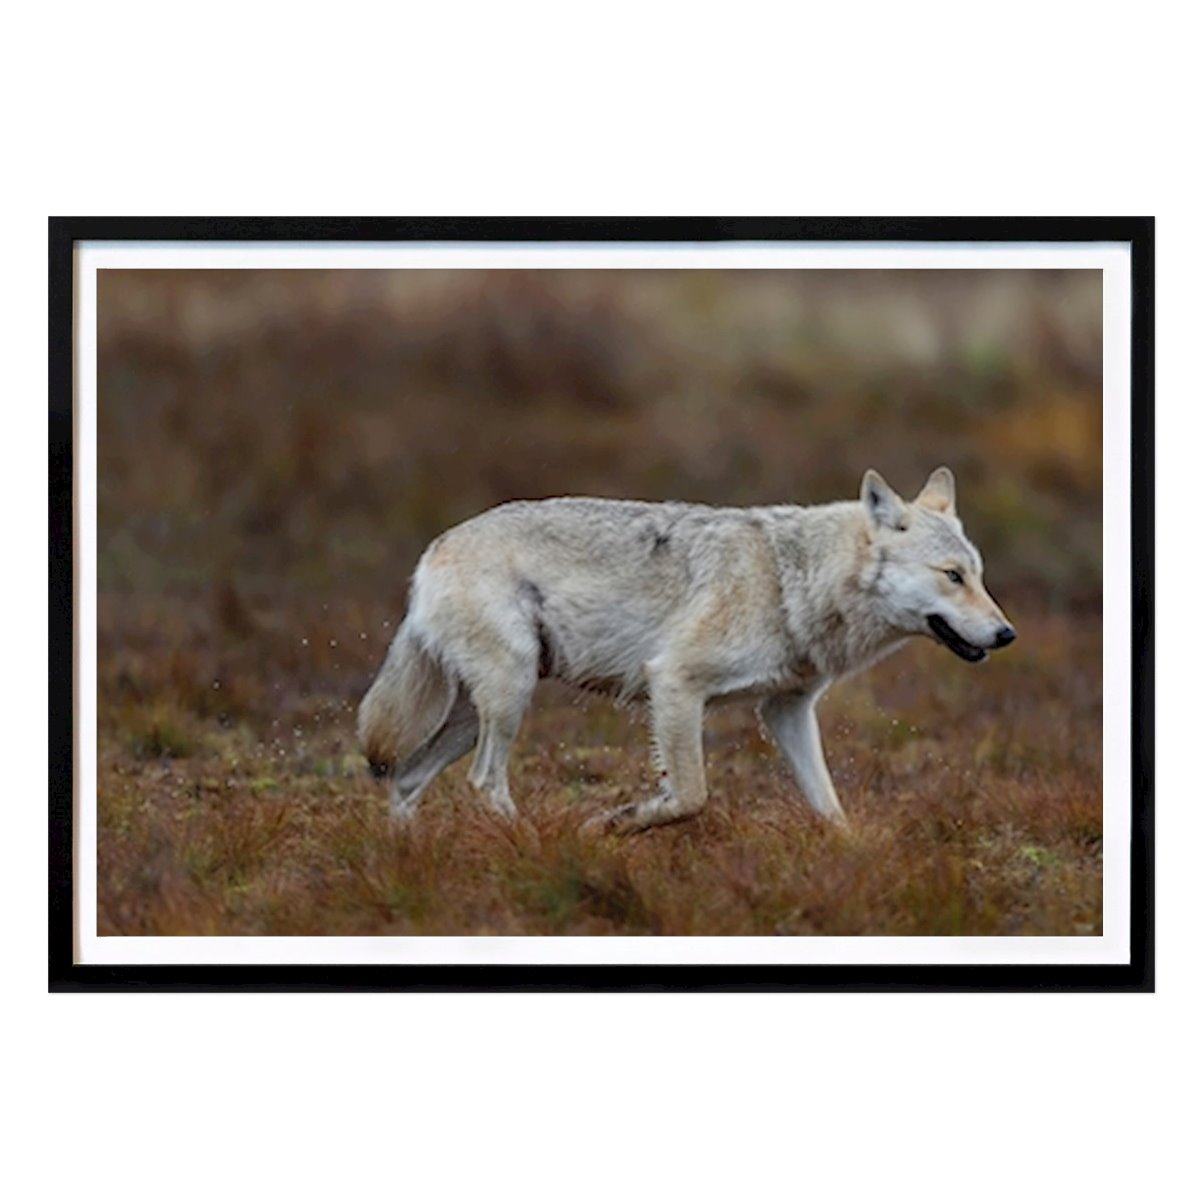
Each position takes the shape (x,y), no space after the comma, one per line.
(964,649)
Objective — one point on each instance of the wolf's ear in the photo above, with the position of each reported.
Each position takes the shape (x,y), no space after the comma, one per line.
(884,507)
(938,492)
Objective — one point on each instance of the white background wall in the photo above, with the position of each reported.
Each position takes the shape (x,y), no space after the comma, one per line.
(619,109)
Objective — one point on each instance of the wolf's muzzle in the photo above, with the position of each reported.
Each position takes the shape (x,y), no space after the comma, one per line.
(952,640)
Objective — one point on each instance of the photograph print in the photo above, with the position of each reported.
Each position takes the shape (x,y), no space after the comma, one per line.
(525,604)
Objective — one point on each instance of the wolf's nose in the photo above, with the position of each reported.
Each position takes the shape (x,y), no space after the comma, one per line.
(1006,635)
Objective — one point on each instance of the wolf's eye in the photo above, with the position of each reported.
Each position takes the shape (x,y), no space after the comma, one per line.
(954,576)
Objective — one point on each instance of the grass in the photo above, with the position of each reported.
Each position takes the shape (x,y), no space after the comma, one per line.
(276,448)
(974,795)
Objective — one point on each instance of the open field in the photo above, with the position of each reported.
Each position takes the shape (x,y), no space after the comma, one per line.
(233,800)
(275,453)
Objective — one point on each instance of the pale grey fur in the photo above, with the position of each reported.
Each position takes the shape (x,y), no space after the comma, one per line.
(681,603)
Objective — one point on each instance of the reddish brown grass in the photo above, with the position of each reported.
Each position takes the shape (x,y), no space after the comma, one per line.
(245,808)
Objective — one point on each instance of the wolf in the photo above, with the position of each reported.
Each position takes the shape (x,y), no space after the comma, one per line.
(678,604)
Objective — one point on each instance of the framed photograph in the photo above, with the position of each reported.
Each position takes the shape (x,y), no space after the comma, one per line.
(565,604)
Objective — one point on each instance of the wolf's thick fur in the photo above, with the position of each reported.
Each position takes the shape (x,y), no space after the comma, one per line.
(679,603)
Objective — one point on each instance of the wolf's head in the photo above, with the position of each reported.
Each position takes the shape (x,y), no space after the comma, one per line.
(926,573)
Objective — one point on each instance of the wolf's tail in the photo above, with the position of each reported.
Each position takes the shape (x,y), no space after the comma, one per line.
(407,704)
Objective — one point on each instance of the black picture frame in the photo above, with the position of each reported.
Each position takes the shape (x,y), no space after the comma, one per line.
(65,974)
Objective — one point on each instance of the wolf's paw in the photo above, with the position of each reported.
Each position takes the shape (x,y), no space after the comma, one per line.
(613,821)
(837,823)
(403,810)
(636,817)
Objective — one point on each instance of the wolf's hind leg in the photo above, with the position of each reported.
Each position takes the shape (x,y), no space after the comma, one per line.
(792,720)
(677,711)
(448,745)
(489,771)
(501,701)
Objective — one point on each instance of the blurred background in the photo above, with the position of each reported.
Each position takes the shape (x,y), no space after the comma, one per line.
(314,429)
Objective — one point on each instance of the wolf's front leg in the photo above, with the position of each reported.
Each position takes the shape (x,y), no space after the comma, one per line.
(677,711)
(792,720)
